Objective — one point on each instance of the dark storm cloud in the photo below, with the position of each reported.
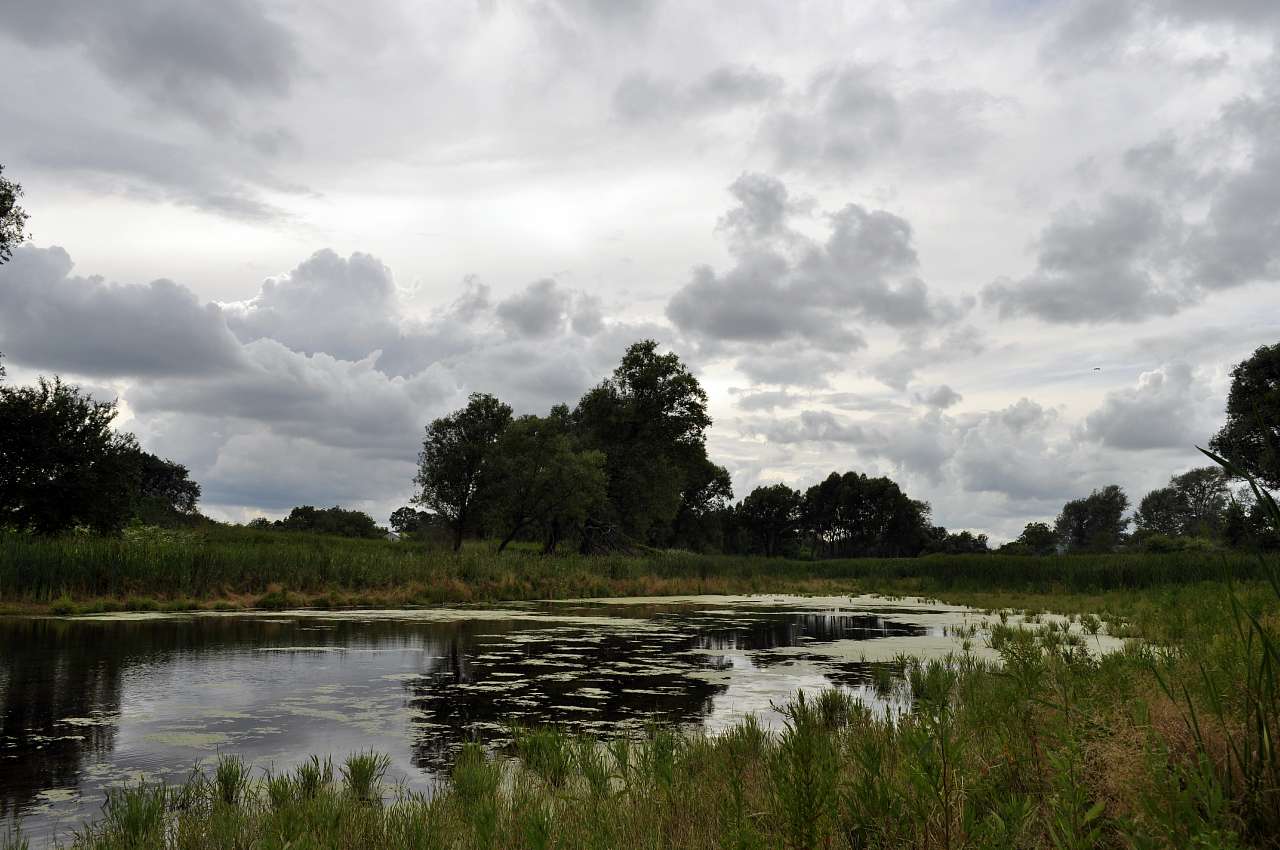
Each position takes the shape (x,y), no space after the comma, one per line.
(50,319)
(186,56)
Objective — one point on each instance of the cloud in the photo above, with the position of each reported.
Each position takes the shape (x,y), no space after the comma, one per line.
(642,98)
(185,56)
(787,290)
(852,115)
(940,397)
(1161,411)
(1096,266)
(52,320)
(344,307)
(538,311)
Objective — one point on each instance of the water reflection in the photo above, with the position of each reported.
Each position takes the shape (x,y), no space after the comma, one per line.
(85,704)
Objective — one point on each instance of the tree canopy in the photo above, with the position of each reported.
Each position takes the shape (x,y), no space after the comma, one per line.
(1250,438)
(13,218)
(1095,523)
(455,457)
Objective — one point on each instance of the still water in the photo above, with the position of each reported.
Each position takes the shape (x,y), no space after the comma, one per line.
(88,703)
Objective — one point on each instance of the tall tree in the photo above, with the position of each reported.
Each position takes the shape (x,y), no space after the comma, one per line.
(1251,436)
(454,459)
(1039,538)
(1193,503)
(541,482)
(771,516)
(650,420)
(165,488)
(13,218)
(61,464)
(1095,523)
(852,515)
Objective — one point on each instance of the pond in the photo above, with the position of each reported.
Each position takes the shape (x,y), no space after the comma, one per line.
(87,703)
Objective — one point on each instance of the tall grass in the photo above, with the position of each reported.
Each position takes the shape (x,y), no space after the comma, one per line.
(230,561)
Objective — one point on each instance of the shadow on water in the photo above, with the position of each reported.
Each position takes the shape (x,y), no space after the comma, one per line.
(85,704)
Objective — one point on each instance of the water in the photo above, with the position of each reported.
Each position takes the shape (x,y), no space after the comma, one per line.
(93,702)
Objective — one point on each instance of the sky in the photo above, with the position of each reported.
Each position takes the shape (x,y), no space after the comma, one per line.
(1003,251)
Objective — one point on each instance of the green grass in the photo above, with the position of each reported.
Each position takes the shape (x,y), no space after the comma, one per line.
(274,569)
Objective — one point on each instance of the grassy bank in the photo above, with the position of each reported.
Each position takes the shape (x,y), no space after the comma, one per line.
(247,568)
(1168,747)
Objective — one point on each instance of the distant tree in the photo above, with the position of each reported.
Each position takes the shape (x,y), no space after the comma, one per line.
(852,515)
(650,420)
(1251,436)
(540,482)
(336,520)
(771,517)
(1161,511)
(407,520)
(61,464)
(942,542)
(13,218)
(1095,523)
(1039,538)
(454,459)
(259,523)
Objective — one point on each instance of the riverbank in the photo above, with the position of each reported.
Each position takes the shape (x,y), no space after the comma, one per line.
(231,567)
(1168,743)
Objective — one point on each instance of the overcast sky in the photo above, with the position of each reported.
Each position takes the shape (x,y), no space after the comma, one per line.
(1004,251)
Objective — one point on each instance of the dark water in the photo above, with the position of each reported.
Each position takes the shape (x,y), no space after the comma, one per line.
(89,703)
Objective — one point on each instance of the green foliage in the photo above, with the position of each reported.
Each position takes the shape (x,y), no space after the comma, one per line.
(335,520)
(1193,504)
(455,456)
(61,465)
(362,775)
(1250,438)
(1095,523)
(771,517)
(13,219)
(540,483)
(852,515)
(650,420)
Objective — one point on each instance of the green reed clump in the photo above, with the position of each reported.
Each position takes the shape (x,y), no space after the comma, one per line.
(278,568)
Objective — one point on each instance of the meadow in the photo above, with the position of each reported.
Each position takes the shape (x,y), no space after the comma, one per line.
(227,566)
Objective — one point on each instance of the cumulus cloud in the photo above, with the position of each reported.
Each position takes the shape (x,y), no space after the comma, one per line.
(188,57)
(538,311)
(1161,411)
(1096,266)
(940,397)
(344,307)
(785,289)
(51,319)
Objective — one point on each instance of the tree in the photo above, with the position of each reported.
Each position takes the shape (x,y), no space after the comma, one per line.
(1095,523)
(454,459)
(852,516)
(541,482)
(707,502)
(338,521)
(1039,538)
(771,517)
(13,218)
(406,520)
(1192,504)
(1251,436)
(61,464)
(165,489)
(650,420)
